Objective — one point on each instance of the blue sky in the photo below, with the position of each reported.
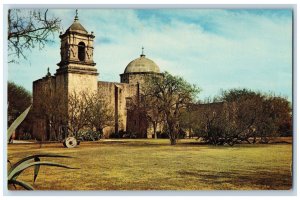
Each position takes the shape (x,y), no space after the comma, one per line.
(212,48)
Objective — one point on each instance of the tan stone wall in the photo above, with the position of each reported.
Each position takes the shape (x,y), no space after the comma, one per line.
(137,78)
(61,81)
(81,83)
(137,124)
(106,90)
(134,78)
(39,129)
(116,94)
(42,90)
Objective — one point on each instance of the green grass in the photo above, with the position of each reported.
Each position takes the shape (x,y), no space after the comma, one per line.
(155,165)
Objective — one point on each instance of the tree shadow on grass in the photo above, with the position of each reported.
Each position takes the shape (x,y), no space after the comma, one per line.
(242,179)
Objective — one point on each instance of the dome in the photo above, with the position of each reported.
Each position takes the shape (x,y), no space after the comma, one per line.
(142,64)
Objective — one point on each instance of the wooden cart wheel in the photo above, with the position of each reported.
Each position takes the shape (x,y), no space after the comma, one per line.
(70,142)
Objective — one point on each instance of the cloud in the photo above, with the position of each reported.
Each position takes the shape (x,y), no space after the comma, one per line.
(215,49)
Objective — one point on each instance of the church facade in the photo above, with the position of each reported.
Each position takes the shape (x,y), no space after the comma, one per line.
(77,72)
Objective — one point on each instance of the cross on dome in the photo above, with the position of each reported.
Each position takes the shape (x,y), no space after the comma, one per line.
(142,55)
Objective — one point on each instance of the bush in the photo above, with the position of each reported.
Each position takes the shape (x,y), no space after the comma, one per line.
(287,134)
(122,134)
(89,135)
(129,135)
(181,134)
(162,135)
(114,135)
(25,136)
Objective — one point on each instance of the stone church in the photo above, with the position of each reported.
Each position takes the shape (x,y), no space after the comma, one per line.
(77,72)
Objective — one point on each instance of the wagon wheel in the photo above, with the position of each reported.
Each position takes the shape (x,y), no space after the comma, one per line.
(70,142)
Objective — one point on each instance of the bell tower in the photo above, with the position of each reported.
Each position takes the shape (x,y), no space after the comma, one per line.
(77,71)
(76,45)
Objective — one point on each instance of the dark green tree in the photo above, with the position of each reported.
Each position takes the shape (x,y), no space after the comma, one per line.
(173,94)
(18,100)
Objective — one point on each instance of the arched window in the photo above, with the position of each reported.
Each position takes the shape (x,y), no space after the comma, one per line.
(81,51)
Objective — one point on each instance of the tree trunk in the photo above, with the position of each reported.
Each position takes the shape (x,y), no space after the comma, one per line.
(173,141)
(154,129)
(100,131)
(172,131)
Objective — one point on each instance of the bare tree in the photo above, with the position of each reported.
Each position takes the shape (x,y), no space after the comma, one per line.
(28,29)
(231,120)
(241,115)
(100,113)
(207,121)
(88,111)
(50,107)
(77,112)
(56,115)
(153,111)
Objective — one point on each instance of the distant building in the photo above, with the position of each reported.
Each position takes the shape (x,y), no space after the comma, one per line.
(77,72)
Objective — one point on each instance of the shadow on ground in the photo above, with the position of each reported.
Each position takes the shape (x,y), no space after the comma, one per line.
(261,179)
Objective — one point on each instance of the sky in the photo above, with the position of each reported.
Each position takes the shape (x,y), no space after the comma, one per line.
(215,49)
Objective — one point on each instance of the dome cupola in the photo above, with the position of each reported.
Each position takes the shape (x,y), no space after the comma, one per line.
(139,70)
(142,64)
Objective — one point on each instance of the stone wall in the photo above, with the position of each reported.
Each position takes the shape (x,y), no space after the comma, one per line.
(140,77)
(116,94)
(43,89)
(81,83)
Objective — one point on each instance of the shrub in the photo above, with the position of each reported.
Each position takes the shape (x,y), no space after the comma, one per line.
(181,134)
(114,135)
(25,136)
(162,135)
(129,135)
(89,135)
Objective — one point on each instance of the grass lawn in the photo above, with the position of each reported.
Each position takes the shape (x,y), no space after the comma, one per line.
(155,165)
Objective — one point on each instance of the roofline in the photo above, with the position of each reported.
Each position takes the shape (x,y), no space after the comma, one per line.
(68,32)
